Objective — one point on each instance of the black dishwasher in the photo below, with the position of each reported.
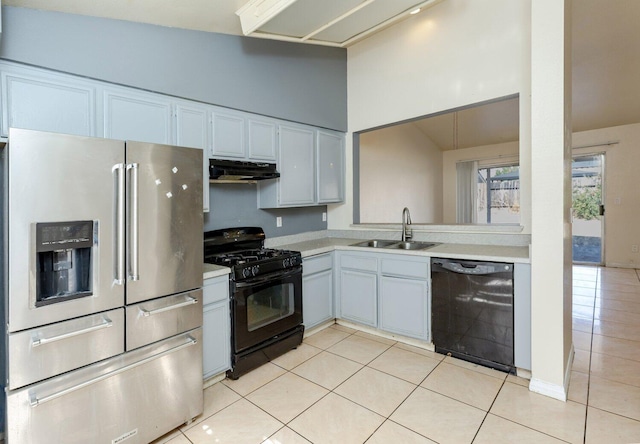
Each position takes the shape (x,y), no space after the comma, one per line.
(472,311)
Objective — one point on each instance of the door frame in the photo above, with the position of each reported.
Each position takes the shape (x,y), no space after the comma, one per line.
(602,155)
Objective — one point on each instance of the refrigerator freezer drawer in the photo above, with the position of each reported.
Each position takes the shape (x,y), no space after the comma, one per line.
(43,352)
(131,399)
(161,318)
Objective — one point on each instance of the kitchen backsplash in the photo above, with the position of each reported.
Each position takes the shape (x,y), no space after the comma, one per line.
(236,205)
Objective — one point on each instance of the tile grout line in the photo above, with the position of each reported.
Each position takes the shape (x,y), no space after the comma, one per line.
(593,320)
(341,396)
(388,418)
(489,409)
(326,394)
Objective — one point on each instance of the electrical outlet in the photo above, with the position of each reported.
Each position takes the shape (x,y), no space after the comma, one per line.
(634,248)
(324,217)
(278,222)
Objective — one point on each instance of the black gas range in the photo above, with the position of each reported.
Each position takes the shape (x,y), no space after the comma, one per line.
(265,295)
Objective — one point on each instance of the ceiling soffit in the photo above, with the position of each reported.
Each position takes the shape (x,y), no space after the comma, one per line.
(337,23)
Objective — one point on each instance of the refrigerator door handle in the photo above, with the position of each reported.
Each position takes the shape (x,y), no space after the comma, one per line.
(189,301)
(119,223)
(106,323)
(132,225)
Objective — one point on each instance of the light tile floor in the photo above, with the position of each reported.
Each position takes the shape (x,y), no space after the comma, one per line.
(345,386)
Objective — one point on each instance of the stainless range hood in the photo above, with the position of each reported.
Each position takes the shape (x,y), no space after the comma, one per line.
(235,171)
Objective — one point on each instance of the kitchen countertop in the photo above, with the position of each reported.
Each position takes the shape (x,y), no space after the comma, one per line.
(212,271)
(497,253)
(319,246)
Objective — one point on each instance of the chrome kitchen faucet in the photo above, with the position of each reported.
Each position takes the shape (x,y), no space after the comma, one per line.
(406,222)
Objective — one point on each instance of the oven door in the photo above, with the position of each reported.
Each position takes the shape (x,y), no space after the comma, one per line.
(265,307)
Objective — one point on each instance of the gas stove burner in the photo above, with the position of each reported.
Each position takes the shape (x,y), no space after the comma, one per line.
(246,256)
(242,250)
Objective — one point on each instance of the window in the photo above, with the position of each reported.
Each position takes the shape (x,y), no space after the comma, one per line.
(498,194)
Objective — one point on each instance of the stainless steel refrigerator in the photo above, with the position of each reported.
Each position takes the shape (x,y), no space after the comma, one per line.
(102,276)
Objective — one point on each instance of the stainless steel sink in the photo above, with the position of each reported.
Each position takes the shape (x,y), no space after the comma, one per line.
(375,243)
(390,244)
(412,245)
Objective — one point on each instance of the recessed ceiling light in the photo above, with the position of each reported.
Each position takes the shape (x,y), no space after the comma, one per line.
(415,11)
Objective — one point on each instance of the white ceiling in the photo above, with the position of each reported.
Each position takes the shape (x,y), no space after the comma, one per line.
(606,45)
(327,22)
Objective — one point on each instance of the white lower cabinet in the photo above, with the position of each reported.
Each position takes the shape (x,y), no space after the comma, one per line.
(216,328)
(358,297)
(385,291)
(404,306)
(317,290)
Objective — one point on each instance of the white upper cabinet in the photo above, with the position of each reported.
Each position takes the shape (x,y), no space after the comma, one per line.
(330,164)
(228,135)
(40,100)
(137,116)
(192,131)
(261,139)
(311,166)
(297,178)
(242,136)
(311,161)
(296,164)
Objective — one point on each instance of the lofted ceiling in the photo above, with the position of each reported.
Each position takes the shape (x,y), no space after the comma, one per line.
(606,38)
(487,124)
(327,22)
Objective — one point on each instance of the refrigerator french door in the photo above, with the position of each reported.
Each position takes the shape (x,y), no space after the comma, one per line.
(103,258)
(137,203)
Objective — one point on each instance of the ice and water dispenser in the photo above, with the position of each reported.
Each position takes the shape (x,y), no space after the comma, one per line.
(64,261)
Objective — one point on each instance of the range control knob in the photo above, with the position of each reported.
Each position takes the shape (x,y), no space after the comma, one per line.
(285,263)
(246,273)
(255,270)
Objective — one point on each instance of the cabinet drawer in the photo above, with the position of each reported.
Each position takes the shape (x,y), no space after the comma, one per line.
(162,318)
(215,290)
(405,268)
(316,264)
(43,352)
(364,263)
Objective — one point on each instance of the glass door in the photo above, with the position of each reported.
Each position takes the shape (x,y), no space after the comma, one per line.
(587,174)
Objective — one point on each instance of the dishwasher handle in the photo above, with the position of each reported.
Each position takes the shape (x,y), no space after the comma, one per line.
(472,267)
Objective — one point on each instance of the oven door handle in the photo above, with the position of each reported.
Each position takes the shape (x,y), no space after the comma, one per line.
(268,277)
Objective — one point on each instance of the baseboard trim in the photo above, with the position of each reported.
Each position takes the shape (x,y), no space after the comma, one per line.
(214,379)
(621,265)
(559,392)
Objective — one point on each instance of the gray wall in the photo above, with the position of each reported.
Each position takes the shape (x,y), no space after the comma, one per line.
(301,83)
(236,205)
(297,82)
